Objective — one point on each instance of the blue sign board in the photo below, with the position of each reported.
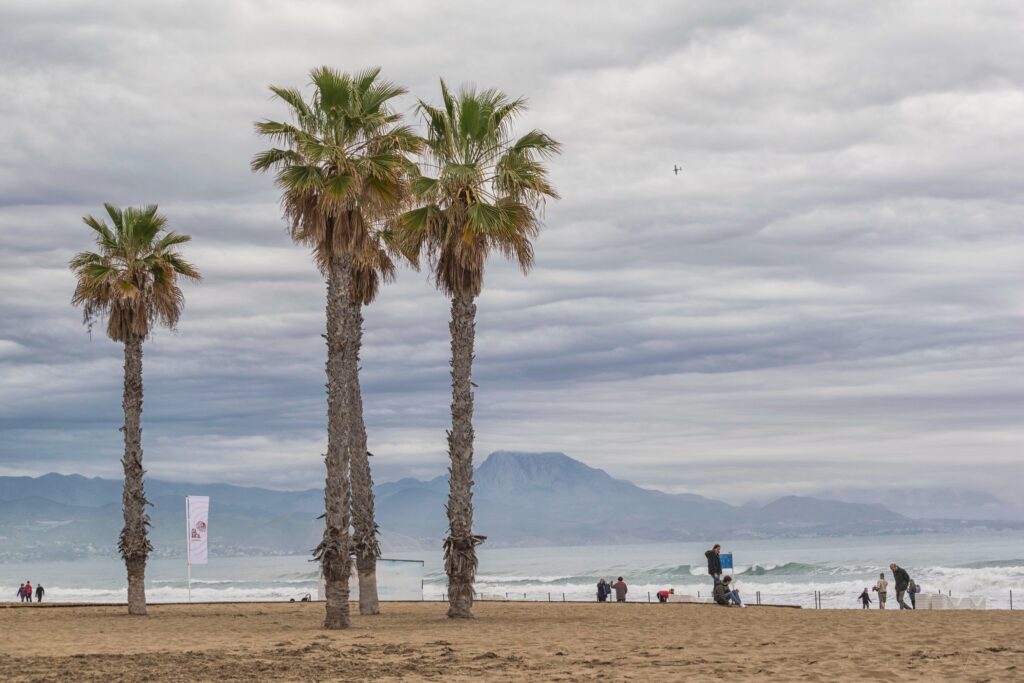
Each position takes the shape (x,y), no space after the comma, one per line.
(726,559)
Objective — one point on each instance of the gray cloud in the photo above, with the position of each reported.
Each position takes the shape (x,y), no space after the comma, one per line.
(829,292)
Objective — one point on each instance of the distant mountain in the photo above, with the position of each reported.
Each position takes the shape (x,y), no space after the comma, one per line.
(521,499)
(932,503)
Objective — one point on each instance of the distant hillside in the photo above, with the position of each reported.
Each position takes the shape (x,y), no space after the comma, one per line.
(521,499)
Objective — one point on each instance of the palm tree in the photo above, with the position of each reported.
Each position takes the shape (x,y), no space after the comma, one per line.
(481,190)
(132,281)
(342,168)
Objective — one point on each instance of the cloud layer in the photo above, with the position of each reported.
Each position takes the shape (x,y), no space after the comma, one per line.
(828,293)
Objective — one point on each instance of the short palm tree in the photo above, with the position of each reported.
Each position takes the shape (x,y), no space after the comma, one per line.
(480,190)
(132,281)
(342,169)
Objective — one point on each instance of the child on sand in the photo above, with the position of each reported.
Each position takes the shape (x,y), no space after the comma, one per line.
(865,599)
(663,594)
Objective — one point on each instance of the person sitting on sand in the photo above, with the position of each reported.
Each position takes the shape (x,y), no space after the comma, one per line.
(663,594)
(724,594)
(39,593)
(902,579)
(881,587)
(603,590)
(865,599)
(620,590)
(714,563)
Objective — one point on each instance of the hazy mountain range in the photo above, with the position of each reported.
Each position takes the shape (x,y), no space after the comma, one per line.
(522,499)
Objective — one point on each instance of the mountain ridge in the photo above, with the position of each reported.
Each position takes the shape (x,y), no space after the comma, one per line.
(521,499)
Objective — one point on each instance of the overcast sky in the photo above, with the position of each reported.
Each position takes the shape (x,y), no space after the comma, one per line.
(828,294)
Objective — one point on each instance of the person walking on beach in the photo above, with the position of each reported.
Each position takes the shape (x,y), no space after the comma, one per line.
(715,563)
(881,587)
(902,579)
(620,590)
(28,591)
(725,595)
(39,593)
(912,590)
(865,599)
(21,593)
(603,590)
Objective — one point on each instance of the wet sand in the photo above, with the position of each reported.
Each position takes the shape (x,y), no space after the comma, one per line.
(507,641)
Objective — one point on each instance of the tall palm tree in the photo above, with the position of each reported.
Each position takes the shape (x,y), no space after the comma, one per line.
(132,281)
(481,190)
(342,169)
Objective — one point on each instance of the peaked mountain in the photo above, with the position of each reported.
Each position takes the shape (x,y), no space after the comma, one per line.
(521,499)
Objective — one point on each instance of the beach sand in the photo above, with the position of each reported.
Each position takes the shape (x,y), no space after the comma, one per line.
(507,641)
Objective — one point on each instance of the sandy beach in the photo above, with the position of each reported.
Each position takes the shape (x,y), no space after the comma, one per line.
(508,641)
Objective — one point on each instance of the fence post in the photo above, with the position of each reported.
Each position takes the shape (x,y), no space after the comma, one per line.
(1011,599)
(648,596)
(524,596)
(563,597)
(549,597)
(506,596)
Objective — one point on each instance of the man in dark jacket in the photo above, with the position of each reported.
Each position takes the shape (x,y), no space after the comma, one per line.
(715,563)
(39,592)
(902,579)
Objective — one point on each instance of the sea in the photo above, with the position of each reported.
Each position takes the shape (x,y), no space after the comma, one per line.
(830,572)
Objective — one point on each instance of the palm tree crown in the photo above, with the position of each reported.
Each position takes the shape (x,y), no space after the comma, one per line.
(479,189)
(133,279)
(342,168)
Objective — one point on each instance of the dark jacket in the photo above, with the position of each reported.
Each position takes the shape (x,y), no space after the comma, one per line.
(714,563)
(719,594)
(604,590)
(902,578)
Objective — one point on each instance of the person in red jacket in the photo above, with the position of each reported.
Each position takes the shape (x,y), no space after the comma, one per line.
(28,591)
(663,594)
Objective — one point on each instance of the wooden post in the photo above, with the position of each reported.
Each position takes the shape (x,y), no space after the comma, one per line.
(563,597)
(648,596)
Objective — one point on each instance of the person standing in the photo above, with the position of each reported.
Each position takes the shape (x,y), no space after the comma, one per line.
(39,593)
(902,580)
(865,599)
(881,587)
(620,590)
(28,591)
(21,593)
(714,563)
(603,590)
(912,590)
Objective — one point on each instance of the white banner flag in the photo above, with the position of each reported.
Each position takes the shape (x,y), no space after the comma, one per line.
(198,514)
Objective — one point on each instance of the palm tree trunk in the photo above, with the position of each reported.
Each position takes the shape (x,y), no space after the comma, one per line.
(460,560)
(335,548)
(364,540)
(133,543)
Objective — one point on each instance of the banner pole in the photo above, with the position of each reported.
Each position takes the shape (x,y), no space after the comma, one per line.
(188,551)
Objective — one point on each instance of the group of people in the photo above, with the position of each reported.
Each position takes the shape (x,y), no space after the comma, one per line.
(723,592)
(727,595)
(904,585)
(605,590)
(25,592)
